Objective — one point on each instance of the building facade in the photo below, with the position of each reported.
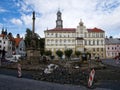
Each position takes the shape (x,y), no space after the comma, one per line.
(11,45)
(77,39)
(5,43)
(20,46)
(112,47)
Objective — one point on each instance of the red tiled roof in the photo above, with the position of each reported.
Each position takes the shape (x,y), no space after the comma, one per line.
(73,30)
(62,29)
(17,41)
(95,30)
(2,35)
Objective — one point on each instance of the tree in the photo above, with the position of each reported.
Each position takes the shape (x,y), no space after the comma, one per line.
(29,36)
(59,53)
(42,45)
(68,53)
(88,55)
(77,53)
(48,53)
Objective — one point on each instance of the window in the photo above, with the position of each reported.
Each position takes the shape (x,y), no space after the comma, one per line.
(108,48)
(56,41)
(69,40)
(60,36)
(97,49)
(89,42)
(4,42)
(85,42)
(56,34)
(20,49)
(101,35)
(97,42)
(101,49)
(73,40)
(93,42)
(85,34)
(60,40)
(64,40)
(89,35)
(112,48)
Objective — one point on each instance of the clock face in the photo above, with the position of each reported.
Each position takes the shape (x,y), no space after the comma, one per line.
(59,22)
(59,17)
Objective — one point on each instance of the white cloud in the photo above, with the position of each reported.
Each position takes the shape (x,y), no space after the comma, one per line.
(2,10)
(27,19)
(94,13)
(16,21)
(117,35)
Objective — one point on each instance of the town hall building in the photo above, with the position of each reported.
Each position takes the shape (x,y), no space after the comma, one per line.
(77,39)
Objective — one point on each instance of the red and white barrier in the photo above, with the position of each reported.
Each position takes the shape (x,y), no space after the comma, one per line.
(19,70)
(91,78)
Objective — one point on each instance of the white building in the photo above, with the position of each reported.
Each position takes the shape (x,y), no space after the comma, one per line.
(11,45)
(19,46)
(5,43)
(77,39)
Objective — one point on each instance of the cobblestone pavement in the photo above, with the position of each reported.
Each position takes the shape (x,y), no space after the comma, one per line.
(14,83)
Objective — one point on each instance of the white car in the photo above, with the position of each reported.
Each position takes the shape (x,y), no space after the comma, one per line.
(11,59)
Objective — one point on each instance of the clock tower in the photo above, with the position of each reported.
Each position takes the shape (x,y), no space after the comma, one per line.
(59,20)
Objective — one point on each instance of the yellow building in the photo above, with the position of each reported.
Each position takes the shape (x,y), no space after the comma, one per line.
(77,39)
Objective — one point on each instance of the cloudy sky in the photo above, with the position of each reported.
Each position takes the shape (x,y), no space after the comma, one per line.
(16,15)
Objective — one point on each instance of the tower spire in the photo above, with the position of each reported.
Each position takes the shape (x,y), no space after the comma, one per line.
(81,23)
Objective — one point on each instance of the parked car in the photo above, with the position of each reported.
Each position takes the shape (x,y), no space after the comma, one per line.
(17,56)
(11,59)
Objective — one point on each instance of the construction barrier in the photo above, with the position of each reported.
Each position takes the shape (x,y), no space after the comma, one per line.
(91,77)
(19,70)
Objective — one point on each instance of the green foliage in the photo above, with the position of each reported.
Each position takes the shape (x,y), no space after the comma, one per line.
(59,53)
(39,41)
(48,53)
(88,55)
(28,36)
(68,53)
(41,45)
(77,53)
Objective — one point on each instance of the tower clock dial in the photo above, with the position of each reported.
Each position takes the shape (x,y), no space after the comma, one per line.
(59,22)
